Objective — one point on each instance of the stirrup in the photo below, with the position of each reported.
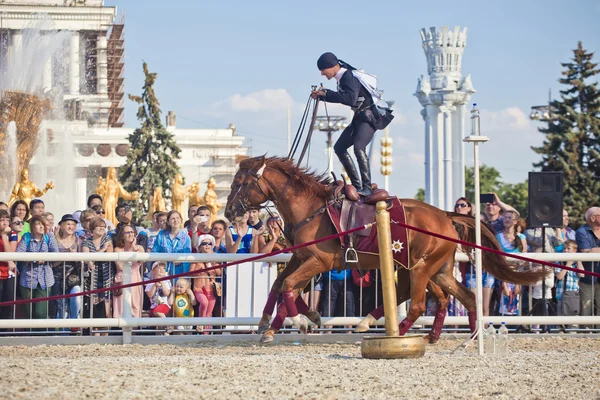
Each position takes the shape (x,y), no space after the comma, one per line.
(351,256)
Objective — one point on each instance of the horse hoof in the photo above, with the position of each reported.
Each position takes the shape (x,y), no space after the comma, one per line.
(431,339)
(314,317)
(364,325)
(264,324)
(300,323)
(267,337)
(262,329)
(303,327)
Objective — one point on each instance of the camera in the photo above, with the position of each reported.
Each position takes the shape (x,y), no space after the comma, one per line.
(486,198)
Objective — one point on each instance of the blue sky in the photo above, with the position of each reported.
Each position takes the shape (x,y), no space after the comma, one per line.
(245,62)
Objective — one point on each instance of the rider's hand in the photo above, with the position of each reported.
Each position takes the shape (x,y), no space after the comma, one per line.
(317,93)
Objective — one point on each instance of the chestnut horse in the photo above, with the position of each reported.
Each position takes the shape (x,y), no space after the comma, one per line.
(299,195)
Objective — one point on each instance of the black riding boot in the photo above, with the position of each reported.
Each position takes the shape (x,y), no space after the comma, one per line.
(348,165)
(365,172)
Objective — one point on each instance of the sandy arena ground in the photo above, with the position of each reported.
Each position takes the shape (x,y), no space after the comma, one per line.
(553,367)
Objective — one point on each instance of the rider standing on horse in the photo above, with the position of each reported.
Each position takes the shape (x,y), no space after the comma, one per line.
(359,133)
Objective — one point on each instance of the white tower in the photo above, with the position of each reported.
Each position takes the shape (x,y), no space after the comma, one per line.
(443,93)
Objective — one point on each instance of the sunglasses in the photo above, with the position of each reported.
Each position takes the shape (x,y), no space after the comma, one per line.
(206,244)
(461,205)
(100,212)
(18,223)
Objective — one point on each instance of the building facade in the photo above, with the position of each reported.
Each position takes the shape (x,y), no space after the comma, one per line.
(84,76)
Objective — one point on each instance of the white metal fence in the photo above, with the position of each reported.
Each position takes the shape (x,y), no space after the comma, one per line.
(248,285)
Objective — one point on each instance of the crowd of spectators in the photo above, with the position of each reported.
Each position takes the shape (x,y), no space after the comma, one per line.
(563,292)
(30,228)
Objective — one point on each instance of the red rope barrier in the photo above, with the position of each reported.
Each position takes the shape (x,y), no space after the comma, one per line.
(185,274)
(289,249)
(501,253)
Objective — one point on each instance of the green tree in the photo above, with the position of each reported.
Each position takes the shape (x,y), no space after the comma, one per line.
(489,181)
(151,161)
(516,195)
(420,194)
(572,136)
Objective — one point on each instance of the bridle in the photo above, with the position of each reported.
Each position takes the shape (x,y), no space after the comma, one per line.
(243,198)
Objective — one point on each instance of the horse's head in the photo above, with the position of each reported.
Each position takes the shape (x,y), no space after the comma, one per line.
(246,189)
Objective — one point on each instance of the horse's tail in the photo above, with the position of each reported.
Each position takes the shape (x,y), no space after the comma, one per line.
(494,263)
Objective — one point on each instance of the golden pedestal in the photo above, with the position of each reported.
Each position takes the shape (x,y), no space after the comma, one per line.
(390,347)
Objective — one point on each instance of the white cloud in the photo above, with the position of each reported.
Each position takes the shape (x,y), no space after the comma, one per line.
(511,136)
(265,100)
(511,117)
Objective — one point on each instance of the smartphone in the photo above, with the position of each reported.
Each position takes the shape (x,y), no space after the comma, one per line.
(486,198)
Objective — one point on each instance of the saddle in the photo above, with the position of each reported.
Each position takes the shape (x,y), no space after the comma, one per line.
(356,211)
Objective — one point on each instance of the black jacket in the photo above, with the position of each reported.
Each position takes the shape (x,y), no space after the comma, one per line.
(350,92)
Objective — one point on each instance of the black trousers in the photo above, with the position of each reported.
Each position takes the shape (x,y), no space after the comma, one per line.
(357,134)
(7,293)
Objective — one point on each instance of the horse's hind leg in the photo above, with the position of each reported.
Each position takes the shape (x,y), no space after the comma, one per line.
(461,293)
(419,279)
(402,294)
(440,314)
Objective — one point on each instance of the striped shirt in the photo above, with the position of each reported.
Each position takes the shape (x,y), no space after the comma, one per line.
(103,275)
(569,283)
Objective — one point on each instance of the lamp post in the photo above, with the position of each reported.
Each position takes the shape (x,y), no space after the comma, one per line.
(542,113)
(330,124)
(476,138)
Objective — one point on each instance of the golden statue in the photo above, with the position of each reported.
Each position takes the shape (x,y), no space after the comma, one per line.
(210,199)
(157,202)
(178,193)
(114,190)
(101,187)
(193,192)
(26,190)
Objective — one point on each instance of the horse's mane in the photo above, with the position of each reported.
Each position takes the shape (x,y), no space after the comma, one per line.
(312,183)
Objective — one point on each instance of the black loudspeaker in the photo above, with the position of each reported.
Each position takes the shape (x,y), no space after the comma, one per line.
(545,199)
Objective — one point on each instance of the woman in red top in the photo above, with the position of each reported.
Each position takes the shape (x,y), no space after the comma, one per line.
(7,268)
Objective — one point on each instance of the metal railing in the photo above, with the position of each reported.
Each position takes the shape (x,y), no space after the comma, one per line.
(245,294)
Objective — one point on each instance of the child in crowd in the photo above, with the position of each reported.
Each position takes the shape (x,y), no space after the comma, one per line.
(159,292)
(567,287)
(509,301)
(205,283)
(182,300)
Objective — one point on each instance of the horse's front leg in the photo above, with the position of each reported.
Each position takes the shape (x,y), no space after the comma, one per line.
(265,320)
(268,335)
(292,286)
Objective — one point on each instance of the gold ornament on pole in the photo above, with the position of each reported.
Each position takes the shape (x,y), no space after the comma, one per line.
(391,345)
(386,157)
